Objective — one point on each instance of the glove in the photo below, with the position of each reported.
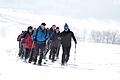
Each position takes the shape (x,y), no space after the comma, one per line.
(75,42)
(59,38)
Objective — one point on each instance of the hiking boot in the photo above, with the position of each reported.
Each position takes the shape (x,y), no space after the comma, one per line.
(39,64)
(25,61)
(57,58)
(29,62)
(44,63)
(52,61)
(62,64)
(34,63)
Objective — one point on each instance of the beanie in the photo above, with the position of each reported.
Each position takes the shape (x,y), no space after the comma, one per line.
(66,26)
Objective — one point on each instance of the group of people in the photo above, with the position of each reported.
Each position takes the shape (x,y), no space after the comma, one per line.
(34,44)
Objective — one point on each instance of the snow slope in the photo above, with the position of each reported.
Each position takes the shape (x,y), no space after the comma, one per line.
(93,61)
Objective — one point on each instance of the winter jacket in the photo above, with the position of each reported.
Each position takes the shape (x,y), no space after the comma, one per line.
(66,38)
(51,31)
(39,35)
(55,39)
(28,41)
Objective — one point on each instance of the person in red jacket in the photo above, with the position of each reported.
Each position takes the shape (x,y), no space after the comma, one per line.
(29,44)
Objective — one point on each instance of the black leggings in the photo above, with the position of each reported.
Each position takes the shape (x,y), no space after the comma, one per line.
(66,54)
(27,53)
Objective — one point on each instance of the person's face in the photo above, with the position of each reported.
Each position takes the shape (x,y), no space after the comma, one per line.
(57,30)
(30,30)
(53,27)
(66,30)
(43,27)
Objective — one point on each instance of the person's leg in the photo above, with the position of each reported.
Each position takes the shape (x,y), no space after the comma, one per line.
(50,54)
(22,52)
(57,52)
(29,51)
(19,53)
(63,55)
(41,53)
(31,55)
(67,53)
(26,53)
(53,54)
(36,53)
(46,50)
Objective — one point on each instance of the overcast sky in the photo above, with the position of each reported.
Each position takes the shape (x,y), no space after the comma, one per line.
(80,9)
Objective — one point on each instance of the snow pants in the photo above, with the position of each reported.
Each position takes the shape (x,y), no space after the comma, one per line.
(40,48)
(66,54)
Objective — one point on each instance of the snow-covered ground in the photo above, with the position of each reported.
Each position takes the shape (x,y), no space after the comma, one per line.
(93,61)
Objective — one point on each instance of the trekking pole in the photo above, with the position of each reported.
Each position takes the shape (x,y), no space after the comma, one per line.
(75,55)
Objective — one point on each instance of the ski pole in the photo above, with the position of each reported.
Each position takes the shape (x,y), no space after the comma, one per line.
(75,54)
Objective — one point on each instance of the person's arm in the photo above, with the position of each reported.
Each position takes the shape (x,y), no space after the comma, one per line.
(34,34)
(74,38)
(19,38)
(59,38)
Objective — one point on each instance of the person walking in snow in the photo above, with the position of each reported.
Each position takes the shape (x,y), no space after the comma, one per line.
(28,42)
(21,49)
(66,37)
(40,36)
(55,44)
(51,31)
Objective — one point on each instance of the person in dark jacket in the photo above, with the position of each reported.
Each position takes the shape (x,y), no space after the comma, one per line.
(21,49)
(51,31)
(66,37)
(55,44)
(40,36)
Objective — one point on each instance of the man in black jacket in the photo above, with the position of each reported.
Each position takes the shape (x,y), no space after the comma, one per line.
(66,37)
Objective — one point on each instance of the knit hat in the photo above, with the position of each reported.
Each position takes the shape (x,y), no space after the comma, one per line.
(66,26)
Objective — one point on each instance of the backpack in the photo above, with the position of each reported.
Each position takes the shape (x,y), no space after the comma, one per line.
(24,33)
(37,34)
(19,37)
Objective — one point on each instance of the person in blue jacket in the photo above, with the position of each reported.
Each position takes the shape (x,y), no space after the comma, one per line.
(40,36)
